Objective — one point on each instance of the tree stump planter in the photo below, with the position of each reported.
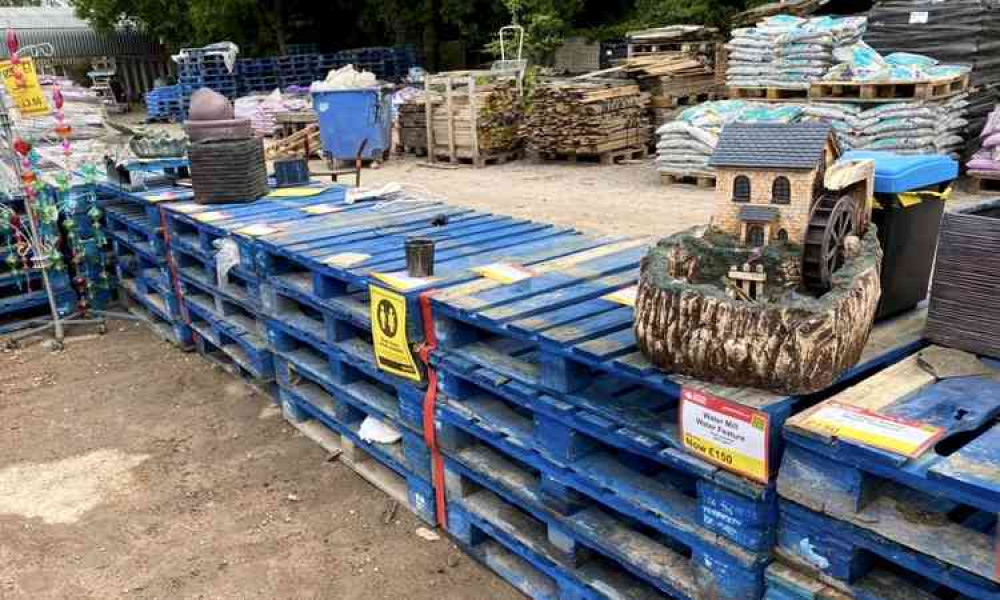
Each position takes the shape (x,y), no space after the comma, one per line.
(788,343)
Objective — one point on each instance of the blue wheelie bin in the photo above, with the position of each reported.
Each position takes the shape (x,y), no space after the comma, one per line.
(349,117)
(909,201)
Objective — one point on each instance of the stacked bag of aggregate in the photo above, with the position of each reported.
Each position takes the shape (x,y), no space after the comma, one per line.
(861,62)
(955,32)
(686,144)
(987,159)
(787,51)
(932,127)
(805,53)
(914,127)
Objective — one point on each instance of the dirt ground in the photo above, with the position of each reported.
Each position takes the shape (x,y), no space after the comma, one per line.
(129,469)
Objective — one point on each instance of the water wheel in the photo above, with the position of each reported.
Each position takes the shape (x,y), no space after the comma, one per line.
(831,220)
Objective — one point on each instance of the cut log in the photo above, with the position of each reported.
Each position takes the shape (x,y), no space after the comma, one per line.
(795,345)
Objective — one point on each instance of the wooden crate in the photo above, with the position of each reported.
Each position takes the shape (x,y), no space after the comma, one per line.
(453,103)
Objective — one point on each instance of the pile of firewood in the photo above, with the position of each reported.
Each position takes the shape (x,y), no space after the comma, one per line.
(413,126)
(474,115)
(586,117)
(673,80)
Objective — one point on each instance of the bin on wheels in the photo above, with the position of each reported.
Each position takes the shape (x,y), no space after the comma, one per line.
(349,117)
(909,194)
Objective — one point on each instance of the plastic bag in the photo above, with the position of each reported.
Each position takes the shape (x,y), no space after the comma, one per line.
(227,256)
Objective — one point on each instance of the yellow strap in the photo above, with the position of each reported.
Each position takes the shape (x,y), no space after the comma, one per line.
(908,199)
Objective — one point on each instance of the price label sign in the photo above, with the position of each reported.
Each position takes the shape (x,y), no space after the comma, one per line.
(726,434)
(900,436)
(24,89)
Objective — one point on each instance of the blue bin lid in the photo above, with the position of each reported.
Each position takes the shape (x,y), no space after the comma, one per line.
(896,173)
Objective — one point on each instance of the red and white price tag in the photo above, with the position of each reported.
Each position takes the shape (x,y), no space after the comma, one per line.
(727,434)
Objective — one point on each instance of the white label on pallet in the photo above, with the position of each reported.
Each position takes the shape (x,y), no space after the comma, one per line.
(403,282)
(256,230)
(504,272)
(919,17)
(346,259)
(727,434)
(211,216)
(845,422)
(323,209)
(625,297)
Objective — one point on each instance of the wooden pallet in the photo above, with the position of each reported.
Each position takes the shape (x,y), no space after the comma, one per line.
(768,93)
(609,157)
(702,181)
(497,158)
(306,143)
(983,181)
(676,101)
(868,91)
(414,150)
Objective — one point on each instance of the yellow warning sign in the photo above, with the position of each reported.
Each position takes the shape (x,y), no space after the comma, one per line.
(24,89)
(392,349)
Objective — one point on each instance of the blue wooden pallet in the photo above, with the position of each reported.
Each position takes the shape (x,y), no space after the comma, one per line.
(787,583)
(514,545)
(654,504)
(369,246)
(559,332)
(21,306)
(954,483)
(129,223)
(155,310)
(386,466)
(241,286)
(194,228)
(350,359)
(224,360)
(603,445)
(231,331)
(708,569)
(841,553)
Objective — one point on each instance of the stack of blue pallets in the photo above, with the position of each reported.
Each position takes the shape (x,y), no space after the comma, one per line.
(561,462)
(201,68)
(87,249)
(165,103)
(257,75)
(550,413)
(891,489)
(135,226)
(22,292)
(298,70)
(225,307)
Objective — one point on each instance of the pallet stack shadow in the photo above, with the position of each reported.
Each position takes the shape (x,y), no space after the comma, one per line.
(135,228)
(22,294)
(602,119)
(565,471)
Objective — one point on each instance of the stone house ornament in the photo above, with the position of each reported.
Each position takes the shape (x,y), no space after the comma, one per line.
(780,290)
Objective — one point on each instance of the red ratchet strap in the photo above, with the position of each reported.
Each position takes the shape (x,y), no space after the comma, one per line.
(430,402)
(175,279)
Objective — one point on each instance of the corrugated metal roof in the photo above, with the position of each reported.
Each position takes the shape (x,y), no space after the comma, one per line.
(71,36)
